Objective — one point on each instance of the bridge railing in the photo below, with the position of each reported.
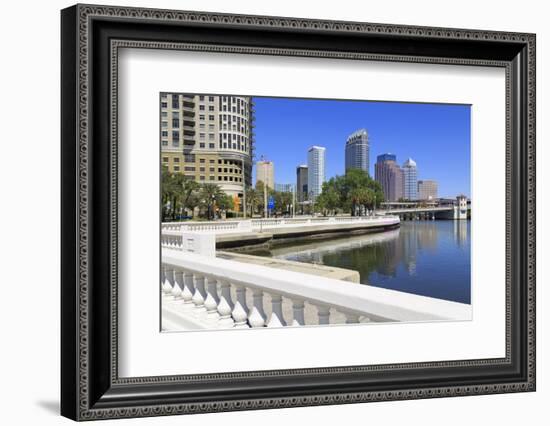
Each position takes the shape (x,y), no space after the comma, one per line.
(200,293)
(257,224)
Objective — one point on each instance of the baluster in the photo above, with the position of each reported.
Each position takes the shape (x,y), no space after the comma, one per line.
(257,316)
(276,319)
(198,296)
(212,300)
(178,284)
(298,312)
(225,305)
(351,318)
(323,312)
(187,292)
(168,281)
(240,310)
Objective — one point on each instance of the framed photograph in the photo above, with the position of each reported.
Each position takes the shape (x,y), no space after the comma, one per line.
(263,212)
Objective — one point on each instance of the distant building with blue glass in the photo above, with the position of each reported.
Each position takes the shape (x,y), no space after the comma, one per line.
(410,180)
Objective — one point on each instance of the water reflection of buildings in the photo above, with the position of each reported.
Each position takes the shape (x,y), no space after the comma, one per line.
(382,253)
(461,232)
(386,253)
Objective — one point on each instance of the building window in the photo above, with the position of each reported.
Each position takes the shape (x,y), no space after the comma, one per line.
(175,102)
(164,104)
(201,107)
(175,123)
(219,178)
(165,133)
(202,177)
(175,135)
(202,135)
(175,143)
(211,136)
(210,127)
(164,143)
(165,159)
(165,124)
(212,169)
(211,98)
(211,117)
(176,168)
(201,97)
(164,114)
(212,161)
(189,169)
(202,145)
(211,108)
(212,177)
(211,146)
(202,160)
(201,169)
(189,158)
(202,126)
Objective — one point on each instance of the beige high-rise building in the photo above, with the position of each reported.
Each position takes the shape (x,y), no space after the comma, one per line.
(265,172)
(427,190)
(208,138)
(390,176)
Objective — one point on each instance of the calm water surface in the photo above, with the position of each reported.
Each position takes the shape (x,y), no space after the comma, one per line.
(430,258)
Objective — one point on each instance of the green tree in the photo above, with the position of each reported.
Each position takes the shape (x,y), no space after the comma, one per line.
(330,199)
(189,193)
(210,194)
(253,198)
(352,192)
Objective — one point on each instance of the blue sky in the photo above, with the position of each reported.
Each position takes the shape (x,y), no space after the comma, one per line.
(436,136)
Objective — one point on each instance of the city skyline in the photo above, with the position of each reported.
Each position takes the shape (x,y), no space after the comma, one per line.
(286,129)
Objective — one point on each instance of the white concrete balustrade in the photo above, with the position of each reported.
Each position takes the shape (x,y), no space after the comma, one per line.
(202,292)
(257,225)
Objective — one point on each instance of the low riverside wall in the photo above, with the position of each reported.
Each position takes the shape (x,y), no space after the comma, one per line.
(288,232)
(261,232)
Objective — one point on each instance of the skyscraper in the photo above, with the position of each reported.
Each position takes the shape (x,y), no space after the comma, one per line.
(410,180)
(301,183)
(427,189)
(357,151)
(284,187)
(208,138)
(265,172)
(390,176)
(315,170)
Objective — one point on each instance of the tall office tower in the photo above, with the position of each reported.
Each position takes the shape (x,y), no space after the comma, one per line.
(357,151)
(208,138)
(265,172)
(390,176)
(410,180)
(315,170)
(284,187)
(301,183)
(427,190)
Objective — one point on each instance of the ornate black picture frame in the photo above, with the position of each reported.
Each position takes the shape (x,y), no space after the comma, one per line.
(91,37)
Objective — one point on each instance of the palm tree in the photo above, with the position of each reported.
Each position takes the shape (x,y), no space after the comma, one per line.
(252,199)
(169,193)
(209,193)
(189,189)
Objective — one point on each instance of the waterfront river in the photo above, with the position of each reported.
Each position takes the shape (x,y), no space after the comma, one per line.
(430,258)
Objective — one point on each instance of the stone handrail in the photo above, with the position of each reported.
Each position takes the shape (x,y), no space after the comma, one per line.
(255,224)
(205,292)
